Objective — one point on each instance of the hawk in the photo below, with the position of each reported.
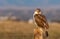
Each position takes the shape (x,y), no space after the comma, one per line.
(39,19)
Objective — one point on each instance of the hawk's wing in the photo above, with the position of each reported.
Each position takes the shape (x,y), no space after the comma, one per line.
(40,20)
(45,21)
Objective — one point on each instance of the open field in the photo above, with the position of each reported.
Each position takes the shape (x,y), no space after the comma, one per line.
(24,30)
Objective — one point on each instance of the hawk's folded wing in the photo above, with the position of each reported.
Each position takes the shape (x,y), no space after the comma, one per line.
(40,20)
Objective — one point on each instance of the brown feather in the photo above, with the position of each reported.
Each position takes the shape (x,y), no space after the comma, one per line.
(40,20)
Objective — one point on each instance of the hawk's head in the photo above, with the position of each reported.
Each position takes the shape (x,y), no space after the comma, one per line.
(37,11)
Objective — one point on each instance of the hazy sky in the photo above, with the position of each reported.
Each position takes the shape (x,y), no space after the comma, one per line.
(30,3)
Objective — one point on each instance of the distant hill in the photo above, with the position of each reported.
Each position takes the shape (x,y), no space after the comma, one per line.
(25,14)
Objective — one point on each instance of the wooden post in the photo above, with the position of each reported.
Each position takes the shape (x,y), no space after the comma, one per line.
(38,33)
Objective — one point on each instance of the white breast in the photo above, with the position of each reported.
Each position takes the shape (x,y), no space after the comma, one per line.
(34,21)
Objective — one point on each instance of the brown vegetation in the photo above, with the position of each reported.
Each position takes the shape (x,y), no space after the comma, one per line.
(24,30)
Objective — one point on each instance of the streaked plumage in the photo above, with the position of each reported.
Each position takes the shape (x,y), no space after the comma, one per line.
(40,20)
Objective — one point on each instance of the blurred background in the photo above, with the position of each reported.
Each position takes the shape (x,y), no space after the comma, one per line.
(16,18)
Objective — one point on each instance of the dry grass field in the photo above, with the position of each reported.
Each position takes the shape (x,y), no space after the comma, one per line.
(24,30)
